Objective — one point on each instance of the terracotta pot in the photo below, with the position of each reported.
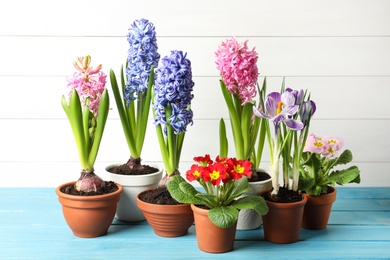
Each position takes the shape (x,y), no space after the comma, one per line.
(283,222)
(248,218)
(211,238)
(317,210)
(88,216)
(167,220)
(127,209)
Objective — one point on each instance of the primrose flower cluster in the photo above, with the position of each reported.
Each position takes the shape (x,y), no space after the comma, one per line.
(326,146)
(222,170)
(89,83)
(238,69)
(173,88)
(142,56)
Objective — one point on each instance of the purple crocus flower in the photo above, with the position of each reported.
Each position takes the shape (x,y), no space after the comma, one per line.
(142,55)
(280,108)
(173,86)
(307,110)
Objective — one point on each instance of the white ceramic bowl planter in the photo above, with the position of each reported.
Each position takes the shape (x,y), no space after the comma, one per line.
(127,209)
(248,218)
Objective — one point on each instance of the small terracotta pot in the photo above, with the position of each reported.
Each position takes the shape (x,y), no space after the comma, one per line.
(127,209)
(167,220)
(283,222)
(88,216)
(211,238)
(317,210)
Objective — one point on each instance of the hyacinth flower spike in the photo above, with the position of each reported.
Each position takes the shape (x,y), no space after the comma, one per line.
(134,103)
(86,107)
(172,108)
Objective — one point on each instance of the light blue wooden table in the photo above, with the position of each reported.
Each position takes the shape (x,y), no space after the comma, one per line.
(32,227)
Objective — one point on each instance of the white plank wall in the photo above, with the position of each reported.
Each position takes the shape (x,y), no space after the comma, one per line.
(338,49)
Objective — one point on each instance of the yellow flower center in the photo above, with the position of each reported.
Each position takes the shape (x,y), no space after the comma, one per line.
(214,175)
(279,109)
(318,144)
(239,169)
(196,174)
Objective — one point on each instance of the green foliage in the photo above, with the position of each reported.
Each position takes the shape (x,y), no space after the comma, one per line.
(223,201)
(316,174)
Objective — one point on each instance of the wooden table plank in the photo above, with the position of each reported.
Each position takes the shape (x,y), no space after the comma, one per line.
(359,227)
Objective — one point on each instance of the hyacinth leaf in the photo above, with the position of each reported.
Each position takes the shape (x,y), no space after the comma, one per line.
(350,175)
(234,121)
(252,202)
(104,106)
(123,115)
(223,141)
(182,191)
(223,217)
(246,123)
(86,116)
(74,114)
(143,112)
(179,141)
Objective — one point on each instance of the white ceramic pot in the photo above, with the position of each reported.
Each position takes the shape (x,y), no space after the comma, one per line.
(248,218)
(127,209)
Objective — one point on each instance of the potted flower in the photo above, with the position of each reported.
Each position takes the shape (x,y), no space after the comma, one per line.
(88,204)
(133,104)
(282,112)
(172,113)
(216,210)
(239,74)
(317,178)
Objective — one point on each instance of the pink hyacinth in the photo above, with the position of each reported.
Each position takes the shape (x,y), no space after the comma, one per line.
(238,68)
(89,83)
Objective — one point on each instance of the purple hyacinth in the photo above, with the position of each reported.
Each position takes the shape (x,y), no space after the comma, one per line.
(142,55)
(173,86)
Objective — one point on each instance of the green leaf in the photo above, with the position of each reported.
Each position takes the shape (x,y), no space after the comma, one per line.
(182,191)
(223,217)
(352,174)
(240,187)
(121,106)
(104,106)
(256,203)
(344,158)
(223,141)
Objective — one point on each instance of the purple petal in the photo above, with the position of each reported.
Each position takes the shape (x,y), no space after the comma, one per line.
(288,99)
(259,113)
(293,124)
(271,104)
(290,110)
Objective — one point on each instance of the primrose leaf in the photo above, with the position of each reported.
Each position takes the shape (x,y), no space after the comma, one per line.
(223,217)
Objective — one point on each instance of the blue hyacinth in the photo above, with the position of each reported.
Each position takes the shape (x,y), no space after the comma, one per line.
(173,86)
(142,56)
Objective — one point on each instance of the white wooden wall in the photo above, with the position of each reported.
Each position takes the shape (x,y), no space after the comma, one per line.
(338,49)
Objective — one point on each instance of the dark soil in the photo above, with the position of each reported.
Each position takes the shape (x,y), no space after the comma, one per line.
(107,188)
(284,196)
(159,195)
(259,176)
(124,169)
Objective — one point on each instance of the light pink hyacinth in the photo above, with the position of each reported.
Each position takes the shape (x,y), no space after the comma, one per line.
(238,68)
(89,83)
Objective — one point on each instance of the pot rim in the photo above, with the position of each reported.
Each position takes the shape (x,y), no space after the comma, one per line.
(87,198)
